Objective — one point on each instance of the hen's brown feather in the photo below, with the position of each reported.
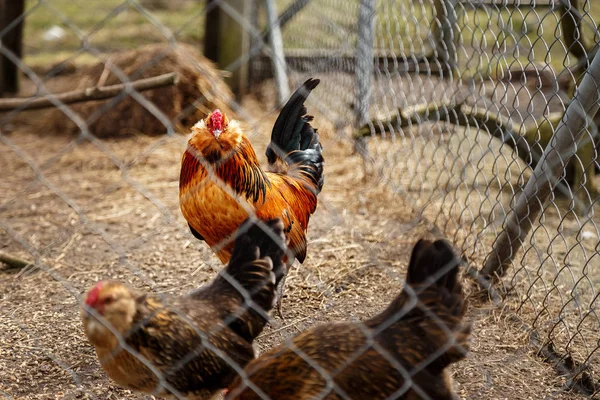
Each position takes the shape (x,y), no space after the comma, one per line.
(188,346)
(417,336)
(170,339)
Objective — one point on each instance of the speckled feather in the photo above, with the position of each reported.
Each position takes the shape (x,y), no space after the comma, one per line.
(171,334)
(408,335)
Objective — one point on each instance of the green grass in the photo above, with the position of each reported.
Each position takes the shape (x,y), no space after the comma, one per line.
(492,37)
(88,20)
(488,37)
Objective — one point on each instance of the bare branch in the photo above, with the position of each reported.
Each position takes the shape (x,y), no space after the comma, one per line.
(89,94)
(13,262)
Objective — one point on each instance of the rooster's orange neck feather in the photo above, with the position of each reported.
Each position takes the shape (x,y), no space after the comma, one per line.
(240,170)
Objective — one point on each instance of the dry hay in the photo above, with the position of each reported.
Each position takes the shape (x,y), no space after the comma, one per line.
(200,89)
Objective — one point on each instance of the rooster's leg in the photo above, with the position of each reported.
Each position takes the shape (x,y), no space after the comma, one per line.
(279,289)
(280,296)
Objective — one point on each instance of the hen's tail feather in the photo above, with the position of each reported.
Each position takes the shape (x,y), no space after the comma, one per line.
(248,283)
(433,274)
(432,278)
(294,141)
(434,264)
(257,259)
(254,270)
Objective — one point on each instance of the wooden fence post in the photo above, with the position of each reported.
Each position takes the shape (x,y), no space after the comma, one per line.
(227,42)
(12,40)
(211,31)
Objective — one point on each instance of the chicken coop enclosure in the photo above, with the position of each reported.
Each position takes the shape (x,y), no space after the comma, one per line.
(470,120)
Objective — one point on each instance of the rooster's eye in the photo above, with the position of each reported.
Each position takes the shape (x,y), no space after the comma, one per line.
(109,300)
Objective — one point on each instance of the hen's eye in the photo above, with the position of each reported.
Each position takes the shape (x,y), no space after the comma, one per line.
(109,300)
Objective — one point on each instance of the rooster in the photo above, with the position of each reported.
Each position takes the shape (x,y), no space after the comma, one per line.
(401,353)
(188,346)
(222,182)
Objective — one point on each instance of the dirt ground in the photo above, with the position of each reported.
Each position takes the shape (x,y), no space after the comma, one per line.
(109,209)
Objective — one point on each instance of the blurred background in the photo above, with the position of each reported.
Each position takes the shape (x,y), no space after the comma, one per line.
(473,120)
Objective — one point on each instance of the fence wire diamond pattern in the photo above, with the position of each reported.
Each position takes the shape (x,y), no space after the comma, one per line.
(475,121)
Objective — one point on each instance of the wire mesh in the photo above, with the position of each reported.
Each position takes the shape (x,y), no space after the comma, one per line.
(460,101)
(516,73)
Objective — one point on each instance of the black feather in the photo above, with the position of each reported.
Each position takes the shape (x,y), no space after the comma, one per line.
(292,124)
(295,141)
(195,233)
(254,243)
(433,261)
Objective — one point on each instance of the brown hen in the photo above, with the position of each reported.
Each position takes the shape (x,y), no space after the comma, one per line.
(401,353)
(190,345)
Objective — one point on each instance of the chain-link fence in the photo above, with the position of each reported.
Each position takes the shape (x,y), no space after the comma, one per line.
(479,152)
(471,120)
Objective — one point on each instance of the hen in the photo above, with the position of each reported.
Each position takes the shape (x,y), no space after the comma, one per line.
(188,346)
(222,182)
(413,341)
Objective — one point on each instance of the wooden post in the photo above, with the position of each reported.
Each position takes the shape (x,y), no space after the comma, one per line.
(254,42)
(2,7)
(364,59)
(211,31)
(278,57)
(227,42)
(12,40)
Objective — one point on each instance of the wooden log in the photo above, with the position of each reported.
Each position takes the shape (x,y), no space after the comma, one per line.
(13,262)
(528,142)
(314,61)
(88,94)
(546,175)
(409,116)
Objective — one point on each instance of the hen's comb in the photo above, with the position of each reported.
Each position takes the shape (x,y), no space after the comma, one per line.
(216,120)
(92,297)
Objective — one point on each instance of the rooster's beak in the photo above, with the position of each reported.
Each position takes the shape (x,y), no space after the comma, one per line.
(217,133)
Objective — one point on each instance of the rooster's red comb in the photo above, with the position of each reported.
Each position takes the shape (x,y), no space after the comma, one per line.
(216,119)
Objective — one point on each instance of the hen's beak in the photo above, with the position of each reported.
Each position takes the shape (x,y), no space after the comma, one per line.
(217,133)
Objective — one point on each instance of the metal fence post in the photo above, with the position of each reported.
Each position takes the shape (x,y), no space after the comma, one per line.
(278,58)
(562,147)
(444,32)
(364,59)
